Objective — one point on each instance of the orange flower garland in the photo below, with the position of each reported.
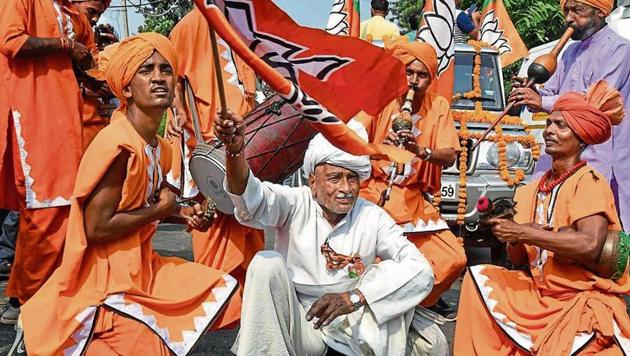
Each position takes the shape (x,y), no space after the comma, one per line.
(480,115)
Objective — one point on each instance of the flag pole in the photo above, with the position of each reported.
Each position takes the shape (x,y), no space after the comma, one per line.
(217,69)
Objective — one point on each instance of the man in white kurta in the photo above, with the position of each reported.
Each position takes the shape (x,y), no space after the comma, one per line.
(291,290)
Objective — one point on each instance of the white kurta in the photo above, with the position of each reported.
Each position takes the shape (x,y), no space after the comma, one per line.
(392,288)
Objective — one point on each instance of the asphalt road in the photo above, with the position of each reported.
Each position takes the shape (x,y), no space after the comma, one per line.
(172,241)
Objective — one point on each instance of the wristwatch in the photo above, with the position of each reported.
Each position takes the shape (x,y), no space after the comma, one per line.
(355,299)
(427,154)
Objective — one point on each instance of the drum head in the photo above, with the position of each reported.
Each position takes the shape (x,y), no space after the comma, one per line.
(207,167)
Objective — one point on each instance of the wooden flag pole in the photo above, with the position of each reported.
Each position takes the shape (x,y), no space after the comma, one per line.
(217,69)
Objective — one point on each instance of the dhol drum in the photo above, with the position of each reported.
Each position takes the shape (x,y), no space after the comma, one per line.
(613,257)
(276,137)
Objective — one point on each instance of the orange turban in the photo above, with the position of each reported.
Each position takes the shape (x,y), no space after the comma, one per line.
(408,52)
(605,6)
(130,55)
(591,116)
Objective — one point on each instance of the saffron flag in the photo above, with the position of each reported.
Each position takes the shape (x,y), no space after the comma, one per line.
(316,72)
(498,31)
(344,19)
(437,29)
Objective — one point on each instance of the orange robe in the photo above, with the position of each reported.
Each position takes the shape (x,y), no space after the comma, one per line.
(434,128)
(44,134)
(227,246)
(177,300)
(561,307)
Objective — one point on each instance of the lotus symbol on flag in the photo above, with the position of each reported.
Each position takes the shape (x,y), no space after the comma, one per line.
(491,34)
(338,20)
(438,31)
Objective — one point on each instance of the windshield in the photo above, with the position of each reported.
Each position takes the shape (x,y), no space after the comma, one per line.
(491,97)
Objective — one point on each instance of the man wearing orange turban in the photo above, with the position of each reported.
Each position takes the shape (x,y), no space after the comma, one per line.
(598,54)
(112,294)
(564,303)
(433,139)
(39,41)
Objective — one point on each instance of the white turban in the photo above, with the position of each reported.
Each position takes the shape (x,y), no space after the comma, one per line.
(321,151)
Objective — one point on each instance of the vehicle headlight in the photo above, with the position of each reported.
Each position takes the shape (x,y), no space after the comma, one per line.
(514,154)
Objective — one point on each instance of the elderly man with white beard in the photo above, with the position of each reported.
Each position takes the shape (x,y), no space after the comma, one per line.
(322,285)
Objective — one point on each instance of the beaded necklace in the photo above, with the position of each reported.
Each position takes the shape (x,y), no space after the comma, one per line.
(543,187)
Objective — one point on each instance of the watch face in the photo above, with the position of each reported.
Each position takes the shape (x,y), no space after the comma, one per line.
(354,298)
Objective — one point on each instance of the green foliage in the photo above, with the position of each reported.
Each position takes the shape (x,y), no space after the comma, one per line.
(161,16)
(402,9)
(537,21)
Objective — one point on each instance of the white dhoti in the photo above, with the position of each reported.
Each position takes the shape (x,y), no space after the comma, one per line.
(273,322)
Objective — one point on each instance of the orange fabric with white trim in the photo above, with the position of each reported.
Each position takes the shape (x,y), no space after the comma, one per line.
(407,203)
(45,98)
(124,272)
(558,298)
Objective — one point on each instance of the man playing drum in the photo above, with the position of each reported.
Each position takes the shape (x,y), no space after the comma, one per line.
(432,137)
(562,220)
(323,268)
(228,245)
(112,294)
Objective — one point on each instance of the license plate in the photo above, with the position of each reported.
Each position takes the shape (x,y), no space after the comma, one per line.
(449,191)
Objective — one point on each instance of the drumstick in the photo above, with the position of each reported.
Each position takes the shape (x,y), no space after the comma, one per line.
(217,69)
(182,174)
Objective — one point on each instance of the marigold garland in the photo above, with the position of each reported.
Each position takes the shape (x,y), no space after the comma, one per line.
(502,140)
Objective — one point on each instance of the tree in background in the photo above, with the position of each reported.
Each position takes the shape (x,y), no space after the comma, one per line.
(161,16)
(402,9)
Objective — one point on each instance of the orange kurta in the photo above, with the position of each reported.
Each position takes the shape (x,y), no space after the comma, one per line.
(176,299)
(433,128)
(561,307)
(227,246)
(44,100)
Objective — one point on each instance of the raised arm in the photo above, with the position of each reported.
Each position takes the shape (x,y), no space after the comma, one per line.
(102,220)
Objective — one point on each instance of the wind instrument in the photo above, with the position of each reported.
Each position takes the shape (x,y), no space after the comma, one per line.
(538,72)
(402,122)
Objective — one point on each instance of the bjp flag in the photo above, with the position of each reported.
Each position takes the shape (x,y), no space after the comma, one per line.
(498,31)
(322,75)
(344,19)
(437,29)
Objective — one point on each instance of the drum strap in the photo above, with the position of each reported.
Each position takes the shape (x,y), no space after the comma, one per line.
(192,107)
